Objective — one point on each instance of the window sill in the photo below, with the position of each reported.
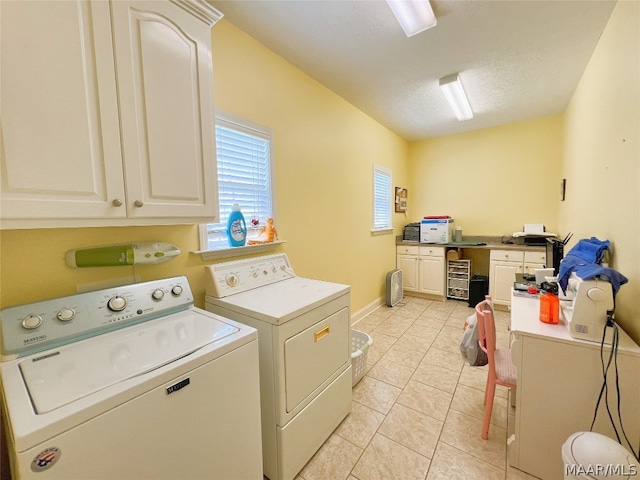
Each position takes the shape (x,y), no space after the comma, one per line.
(385,231)
(227,252)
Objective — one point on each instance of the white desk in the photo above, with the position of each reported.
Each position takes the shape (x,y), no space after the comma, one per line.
(559,380)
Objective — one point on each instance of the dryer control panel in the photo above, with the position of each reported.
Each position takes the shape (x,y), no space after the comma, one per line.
(37,326)
(229,278)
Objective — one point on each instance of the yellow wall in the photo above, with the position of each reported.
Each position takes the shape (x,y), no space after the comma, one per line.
(490,181)
(324,151)
(324,155)
(32,262)
(602,155)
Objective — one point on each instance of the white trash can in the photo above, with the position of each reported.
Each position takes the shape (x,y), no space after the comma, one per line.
(595,456)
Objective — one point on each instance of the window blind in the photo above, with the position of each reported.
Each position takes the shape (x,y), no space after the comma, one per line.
(381,198)
(244,173)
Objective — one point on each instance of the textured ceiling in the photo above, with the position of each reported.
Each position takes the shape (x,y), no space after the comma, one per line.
(517,59)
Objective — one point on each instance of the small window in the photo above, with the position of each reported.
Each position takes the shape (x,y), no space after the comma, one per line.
(244,176)
(381,199)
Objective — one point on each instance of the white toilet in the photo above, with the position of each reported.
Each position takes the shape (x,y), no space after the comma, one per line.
(595,456)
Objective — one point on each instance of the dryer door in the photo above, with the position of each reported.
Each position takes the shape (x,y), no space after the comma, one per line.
(314,355)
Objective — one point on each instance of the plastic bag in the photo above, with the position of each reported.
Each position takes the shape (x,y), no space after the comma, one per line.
(469,347)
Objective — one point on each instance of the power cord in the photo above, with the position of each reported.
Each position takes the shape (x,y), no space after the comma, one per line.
(604,390)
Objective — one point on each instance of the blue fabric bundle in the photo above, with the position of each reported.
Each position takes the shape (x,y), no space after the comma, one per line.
(585,260)
(590,250)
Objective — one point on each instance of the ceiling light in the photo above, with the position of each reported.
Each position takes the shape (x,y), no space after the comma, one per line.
(454,93)
(415,16)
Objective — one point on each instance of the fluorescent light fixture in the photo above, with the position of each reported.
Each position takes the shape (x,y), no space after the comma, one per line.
(414,16)
(454,93)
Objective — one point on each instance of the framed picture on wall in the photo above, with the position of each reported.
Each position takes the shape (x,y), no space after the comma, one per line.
(401,199)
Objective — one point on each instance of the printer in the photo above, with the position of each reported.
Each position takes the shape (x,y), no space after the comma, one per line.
(585,305)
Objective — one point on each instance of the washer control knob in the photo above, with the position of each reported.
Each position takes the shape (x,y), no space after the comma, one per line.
(31,322)
(117,303)
(66,314)
(157,294)
(177,290)
(232,280)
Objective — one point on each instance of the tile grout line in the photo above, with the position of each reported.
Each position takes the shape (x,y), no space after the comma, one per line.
(412,316)
(449,408)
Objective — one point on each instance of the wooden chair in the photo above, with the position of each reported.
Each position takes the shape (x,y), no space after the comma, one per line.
(502,371)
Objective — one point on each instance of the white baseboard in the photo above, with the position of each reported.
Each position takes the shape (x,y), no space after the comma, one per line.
(366,310)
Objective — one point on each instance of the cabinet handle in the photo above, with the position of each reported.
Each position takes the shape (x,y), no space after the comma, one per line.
(138,203)
(117,202)
(320,334)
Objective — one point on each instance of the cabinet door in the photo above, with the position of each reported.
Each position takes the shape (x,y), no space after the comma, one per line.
(60,148)
(501,278)
(409,266)
(165,84)
(530,268)
(533,260)
(431,276)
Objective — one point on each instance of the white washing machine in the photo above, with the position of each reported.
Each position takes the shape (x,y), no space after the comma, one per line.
(305,355)
(131,382)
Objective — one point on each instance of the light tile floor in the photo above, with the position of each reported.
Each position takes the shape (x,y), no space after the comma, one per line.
(417,413)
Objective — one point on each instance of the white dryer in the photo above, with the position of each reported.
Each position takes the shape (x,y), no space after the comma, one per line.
(130,382)
(305,354)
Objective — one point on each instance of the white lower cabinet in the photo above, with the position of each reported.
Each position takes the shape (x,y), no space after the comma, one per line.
(534,260)
(107,113)
(407,259)
(503,267)
(431,275)
(423,269)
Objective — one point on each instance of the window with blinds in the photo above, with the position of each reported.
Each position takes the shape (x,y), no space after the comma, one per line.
(244,175)
(381,198)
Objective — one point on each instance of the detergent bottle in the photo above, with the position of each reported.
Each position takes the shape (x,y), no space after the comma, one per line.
(236,227)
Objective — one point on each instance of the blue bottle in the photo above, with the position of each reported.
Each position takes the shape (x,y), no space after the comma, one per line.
(236,227)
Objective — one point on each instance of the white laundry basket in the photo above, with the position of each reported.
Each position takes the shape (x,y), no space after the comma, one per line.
(360,343)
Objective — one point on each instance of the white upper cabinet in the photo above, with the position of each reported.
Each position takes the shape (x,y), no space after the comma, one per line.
(61,153)
(107,113)
(165,83)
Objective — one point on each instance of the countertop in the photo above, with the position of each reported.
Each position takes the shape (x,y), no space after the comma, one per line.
(486,242)
(525,321)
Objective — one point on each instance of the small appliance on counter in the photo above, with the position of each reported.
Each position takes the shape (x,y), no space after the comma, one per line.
(533,234)
(436,229)
(411,232)
(585,312)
